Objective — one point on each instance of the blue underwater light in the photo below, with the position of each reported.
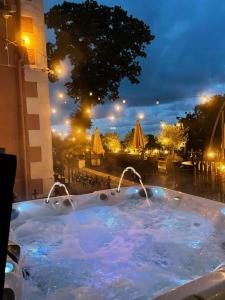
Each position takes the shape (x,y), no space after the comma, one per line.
(9,267)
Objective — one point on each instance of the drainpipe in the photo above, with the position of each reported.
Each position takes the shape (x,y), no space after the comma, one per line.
(23,110)
(24,131)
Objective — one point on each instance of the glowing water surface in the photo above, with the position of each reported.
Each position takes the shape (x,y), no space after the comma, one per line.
(128,251)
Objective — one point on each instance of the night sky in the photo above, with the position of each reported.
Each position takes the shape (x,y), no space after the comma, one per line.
(186,60)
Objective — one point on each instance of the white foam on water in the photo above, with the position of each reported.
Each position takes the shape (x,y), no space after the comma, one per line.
(117,252)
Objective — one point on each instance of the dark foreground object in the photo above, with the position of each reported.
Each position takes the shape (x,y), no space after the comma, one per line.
(7,178)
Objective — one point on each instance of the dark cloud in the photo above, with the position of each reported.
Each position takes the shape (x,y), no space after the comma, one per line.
(185,60)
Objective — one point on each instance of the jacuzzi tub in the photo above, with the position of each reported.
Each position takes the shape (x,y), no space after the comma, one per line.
(113,246)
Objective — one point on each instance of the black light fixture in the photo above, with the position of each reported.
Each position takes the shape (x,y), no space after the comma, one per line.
(7,178)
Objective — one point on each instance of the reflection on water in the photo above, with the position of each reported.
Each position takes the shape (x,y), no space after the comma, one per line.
(210,186)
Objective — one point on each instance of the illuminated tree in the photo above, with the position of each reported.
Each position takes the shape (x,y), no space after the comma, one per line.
(128,141)
(111,141)
(103,45)
(172,137)
(199,123)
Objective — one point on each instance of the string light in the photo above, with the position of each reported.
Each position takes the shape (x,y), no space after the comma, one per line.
(204,99)
(157,102)
(60,95)
(162,124)
(112,117)
(54,111)
(124,101)
(90,94)
(141,116)
(117,107)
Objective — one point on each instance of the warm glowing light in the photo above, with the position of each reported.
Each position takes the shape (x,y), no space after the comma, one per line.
(67,121)
(89,137)
(162,124)
(25,40)
(58,69)
(211,154)
(60,95)
(117,107)
(112,117)
(90,94)
(222,168)
(166,151)
(54,111)
(88,111)
(204,99)
(141,116)
(124,101)
(73,139)
(78,130)
(99,98)
(178,124)
(155,151)
(60,133)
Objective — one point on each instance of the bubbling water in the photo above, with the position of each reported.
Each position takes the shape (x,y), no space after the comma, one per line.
(139,177)
(117,252)
(59,184)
